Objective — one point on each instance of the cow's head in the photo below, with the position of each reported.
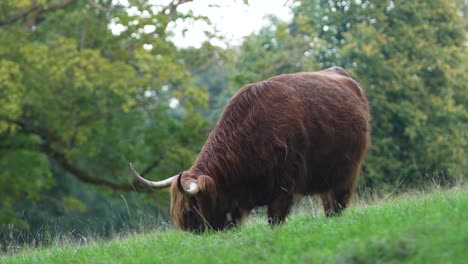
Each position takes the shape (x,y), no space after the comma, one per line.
(194,204)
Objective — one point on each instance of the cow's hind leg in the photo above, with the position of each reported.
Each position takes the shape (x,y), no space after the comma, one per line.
(335,201)
(279,208)
(343,181)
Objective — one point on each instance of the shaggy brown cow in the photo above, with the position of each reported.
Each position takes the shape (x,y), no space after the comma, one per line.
(304,133)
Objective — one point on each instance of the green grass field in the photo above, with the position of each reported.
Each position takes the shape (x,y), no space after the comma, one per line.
(418,228)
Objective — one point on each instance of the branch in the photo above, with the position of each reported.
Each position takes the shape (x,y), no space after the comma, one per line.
(38,9)
(100,7)
(49,136)
(85,177)
(81,175)
(83,35)
(150,168)
(171,9)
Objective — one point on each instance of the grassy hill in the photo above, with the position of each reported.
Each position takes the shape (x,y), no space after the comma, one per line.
(419,228)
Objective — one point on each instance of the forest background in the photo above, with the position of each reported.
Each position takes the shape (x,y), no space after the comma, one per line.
(79,102)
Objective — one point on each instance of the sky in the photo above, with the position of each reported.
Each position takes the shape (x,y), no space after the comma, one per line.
(232,18)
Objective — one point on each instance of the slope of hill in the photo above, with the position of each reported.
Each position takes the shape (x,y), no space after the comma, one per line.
(421,228)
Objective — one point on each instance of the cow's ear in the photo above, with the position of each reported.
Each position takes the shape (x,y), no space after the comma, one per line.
(207,188)
(206,184)
(207,196)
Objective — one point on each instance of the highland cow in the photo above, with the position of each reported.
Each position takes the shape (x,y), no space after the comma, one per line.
(293,134)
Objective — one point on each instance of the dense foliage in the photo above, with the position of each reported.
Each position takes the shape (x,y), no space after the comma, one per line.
(79,100)
(88,85)
(411,59)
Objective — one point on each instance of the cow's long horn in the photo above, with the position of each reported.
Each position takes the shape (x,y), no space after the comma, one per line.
(191,191)
(155,184)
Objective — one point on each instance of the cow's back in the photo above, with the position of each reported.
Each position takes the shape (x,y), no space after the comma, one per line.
(288,132)
(327,125)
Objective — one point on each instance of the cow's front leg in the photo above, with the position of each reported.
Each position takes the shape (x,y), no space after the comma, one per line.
(279,208)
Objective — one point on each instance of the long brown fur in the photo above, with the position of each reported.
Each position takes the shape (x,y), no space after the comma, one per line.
(304,133)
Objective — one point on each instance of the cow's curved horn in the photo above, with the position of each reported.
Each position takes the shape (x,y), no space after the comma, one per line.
(155,184)
(191,191)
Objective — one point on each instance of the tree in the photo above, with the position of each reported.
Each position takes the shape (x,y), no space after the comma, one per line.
(78,96)
(212,68)
(271,52)
(409,55)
